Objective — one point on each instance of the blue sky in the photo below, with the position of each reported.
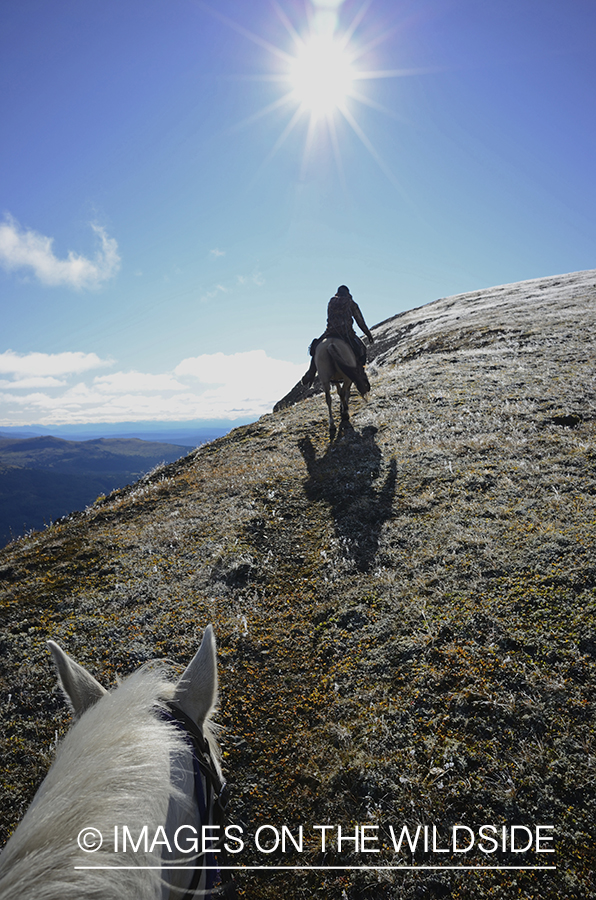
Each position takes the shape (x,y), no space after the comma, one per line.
(175,214)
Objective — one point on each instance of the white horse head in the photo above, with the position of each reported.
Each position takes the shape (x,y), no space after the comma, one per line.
(129,772)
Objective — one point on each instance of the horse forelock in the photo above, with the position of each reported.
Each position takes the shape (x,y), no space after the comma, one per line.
(112,769)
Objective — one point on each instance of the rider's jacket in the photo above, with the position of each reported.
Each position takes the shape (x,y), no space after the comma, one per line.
(340,313)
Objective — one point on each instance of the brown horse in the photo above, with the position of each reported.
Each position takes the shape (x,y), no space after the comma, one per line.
(336,364)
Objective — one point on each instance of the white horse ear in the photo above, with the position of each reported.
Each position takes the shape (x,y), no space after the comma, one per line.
(196,692)
(80,687)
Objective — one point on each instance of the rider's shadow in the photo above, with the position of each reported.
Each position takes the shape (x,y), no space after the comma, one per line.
(344,477)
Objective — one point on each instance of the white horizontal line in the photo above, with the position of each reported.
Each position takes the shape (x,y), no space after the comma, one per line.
(313,868)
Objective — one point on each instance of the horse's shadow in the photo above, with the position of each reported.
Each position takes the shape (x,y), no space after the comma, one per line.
(344,478)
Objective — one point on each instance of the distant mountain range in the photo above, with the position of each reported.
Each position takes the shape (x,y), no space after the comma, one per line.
(44,478)
(191,433)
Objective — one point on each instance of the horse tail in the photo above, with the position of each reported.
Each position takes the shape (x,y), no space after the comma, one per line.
(354,373)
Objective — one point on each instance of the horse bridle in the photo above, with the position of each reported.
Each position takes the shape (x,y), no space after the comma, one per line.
(216,799)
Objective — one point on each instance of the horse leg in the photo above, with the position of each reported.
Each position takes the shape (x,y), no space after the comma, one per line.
(328,399)
(344,397)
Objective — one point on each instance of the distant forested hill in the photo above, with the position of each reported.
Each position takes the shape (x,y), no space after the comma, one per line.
(44,478)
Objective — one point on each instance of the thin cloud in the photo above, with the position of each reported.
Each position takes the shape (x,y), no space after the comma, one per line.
(209,295)
(215,253)
(25,365)
(25,249)
(141,382)
(256,278)
(33,382)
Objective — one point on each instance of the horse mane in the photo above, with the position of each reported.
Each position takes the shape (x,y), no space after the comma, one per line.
(112,769)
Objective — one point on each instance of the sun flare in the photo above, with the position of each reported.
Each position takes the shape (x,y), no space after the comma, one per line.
(321,75)
(322,81)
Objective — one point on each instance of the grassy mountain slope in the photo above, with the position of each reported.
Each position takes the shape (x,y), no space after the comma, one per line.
(44,478)
(405,616)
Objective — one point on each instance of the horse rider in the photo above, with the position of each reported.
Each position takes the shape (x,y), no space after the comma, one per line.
(342,309)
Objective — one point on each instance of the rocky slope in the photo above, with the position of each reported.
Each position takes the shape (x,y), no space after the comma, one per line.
(405,615)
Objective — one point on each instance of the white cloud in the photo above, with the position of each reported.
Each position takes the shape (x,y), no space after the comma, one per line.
(25,365)
(27,249)
(209,295)
(33,382)
(140,382)
(210,386)
(216,253)
(256,278)
(249,371)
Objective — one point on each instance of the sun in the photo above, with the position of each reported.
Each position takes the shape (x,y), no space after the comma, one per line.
(320,80)
(321,76)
